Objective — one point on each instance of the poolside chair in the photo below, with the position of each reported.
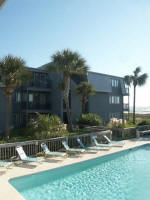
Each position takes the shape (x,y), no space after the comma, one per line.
(87,148)
(72,149)
(24,157)
(52,153)
(98,144)
(114,143)
(5,164)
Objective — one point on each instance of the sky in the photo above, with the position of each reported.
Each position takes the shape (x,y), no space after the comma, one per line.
(112,35)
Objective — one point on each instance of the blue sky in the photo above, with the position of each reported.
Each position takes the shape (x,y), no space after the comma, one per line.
(112,35)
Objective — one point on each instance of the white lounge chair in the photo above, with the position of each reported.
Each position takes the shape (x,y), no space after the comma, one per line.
(5,164)
(87,148)
(51,153)
(98,144)
(114,143)
(72,149)
(24,157)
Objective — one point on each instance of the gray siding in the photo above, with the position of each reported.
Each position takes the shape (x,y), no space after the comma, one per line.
(2,111)
(76,106)
(99,104)
(56,95)
(100,82)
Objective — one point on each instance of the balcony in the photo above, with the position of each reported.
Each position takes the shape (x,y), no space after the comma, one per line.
(35,106)
(37,84)
(127,91)
(41,84)
(126,106)
(31,106)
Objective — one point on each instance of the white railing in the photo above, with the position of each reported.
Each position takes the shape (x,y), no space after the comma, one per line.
(33,147)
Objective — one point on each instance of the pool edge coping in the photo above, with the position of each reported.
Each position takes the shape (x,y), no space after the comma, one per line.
(134,144)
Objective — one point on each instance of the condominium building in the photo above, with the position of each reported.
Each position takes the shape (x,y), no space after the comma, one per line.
(43,96)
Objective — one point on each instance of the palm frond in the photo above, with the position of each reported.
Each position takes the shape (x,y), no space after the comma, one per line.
(128,80)
(85,89)
(2,3)
(142,79)
(137,71)
(68,63)
(13,71)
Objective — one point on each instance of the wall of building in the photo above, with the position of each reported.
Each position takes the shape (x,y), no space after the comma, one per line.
(76,105)
(99,104)
(3,112)
(56,95)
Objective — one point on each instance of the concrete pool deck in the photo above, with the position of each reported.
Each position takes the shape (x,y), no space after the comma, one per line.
(7,192)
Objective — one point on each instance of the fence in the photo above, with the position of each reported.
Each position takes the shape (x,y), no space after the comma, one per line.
(128,133)
(55,144)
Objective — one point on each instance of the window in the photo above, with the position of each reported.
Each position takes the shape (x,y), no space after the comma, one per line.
(18,120)
(117,100)
(36,76)
(30,98)
(24,97)
(114,83)
(114,99)
(18,97)
(114,115)
(42,99)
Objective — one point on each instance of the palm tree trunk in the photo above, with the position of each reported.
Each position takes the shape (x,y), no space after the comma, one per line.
(134,97)
(66,99)
(8,110)
(83,105)
(68,114)
(128,104)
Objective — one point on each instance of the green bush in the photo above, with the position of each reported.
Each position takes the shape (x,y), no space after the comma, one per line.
(113,124)
(45,125)
(144,122)
(89,119)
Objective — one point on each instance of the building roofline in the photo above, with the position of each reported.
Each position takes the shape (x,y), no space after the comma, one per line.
(37,69)
(41,68)
(113,76)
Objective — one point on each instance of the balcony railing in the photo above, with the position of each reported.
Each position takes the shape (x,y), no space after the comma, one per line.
(40,84)
(32,106)
(126,106)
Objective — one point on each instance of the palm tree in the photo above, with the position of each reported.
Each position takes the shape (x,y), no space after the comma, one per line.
(12,74)
(67,63)
(128,81)
(2,3)
(84,90)
(136,80)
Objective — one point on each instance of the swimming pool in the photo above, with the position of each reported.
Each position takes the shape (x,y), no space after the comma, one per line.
(120,176)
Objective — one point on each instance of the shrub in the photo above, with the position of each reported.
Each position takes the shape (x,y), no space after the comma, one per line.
(45,125)
(115,123)
(89,119)
(144,122)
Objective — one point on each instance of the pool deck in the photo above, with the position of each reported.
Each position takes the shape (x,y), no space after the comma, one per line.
(9,193)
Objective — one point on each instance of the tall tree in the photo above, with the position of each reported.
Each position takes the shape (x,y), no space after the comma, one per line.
(13,73)
(2,3)
(128,81)
(84,90)
(136,79)
(67,63)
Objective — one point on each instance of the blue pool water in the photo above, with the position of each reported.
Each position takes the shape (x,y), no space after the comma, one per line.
(120,176)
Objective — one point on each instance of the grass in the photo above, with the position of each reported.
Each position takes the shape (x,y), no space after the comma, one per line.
(139,117)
